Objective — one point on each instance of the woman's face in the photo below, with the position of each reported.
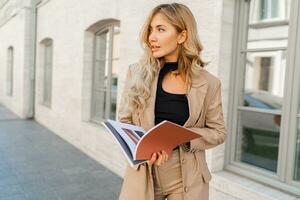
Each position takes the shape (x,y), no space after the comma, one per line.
(164,38)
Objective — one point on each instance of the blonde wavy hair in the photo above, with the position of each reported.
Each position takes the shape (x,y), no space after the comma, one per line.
(189,60)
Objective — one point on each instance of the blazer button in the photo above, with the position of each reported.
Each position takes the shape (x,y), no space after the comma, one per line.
(183,161)
(185,189)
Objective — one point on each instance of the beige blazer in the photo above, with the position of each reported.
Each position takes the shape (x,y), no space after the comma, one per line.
(206,119)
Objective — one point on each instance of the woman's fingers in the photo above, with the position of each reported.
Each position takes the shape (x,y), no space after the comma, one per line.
(166,156)
(163,157)
(163,160)
(153,159)
(158,158)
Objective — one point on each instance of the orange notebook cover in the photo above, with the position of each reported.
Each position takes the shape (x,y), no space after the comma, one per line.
(164,136)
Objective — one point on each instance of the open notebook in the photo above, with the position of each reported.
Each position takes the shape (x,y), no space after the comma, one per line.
(138,145)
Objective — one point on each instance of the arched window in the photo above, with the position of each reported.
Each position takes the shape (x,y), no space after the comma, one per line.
(105,72)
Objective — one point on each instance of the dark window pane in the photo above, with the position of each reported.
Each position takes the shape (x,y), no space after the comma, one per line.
(258,139)
(297,156)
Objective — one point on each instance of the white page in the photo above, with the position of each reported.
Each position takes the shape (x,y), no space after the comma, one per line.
(119,125)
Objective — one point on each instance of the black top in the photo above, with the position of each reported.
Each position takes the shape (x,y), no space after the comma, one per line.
(169,106)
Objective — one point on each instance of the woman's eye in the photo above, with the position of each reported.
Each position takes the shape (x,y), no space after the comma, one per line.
(161,30)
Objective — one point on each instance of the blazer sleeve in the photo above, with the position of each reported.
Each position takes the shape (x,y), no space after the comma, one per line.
(124,115)
(214,132)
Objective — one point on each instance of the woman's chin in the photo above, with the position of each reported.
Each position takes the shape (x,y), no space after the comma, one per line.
(156,55)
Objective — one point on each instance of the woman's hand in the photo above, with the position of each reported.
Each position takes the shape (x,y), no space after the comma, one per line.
(158,158)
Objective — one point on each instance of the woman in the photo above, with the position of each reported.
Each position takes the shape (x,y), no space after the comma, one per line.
(169,83)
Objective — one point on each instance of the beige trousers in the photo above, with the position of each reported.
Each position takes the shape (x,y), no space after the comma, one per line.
(168,180)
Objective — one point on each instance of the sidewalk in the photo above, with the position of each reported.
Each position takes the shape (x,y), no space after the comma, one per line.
(36,164)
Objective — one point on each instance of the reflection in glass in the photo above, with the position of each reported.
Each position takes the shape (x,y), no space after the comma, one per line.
(268,9)
(258,139)
(259,126)
(264,80)
(263,32)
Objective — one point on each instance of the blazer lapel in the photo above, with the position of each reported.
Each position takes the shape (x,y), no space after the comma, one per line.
(195,98)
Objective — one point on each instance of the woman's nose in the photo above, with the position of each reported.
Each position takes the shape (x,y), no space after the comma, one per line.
(152,37)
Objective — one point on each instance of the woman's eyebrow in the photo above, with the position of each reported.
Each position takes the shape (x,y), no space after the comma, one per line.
(159,25)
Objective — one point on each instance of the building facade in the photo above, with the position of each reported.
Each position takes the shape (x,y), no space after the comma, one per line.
(63,64)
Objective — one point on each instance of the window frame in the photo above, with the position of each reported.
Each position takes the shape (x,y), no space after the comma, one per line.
(282,179)
(294,91)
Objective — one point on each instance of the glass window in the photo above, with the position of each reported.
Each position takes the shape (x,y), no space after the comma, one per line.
(262,11)
(268,9)
(259,139)
(260,103)
(260,111)
(10,70)
(264,114)
(47,48)
(114,73)
(106,61)
(296,167)
(297,154)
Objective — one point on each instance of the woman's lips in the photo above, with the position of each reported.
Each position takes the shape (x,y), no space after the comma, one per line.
(155,48)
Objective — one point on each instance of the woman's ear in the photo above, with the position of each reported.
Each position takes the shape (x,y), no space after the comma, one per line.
(182,37)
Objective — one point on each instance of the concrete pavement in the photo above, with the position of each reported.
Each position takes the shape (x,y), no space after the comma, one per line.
(36,164)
